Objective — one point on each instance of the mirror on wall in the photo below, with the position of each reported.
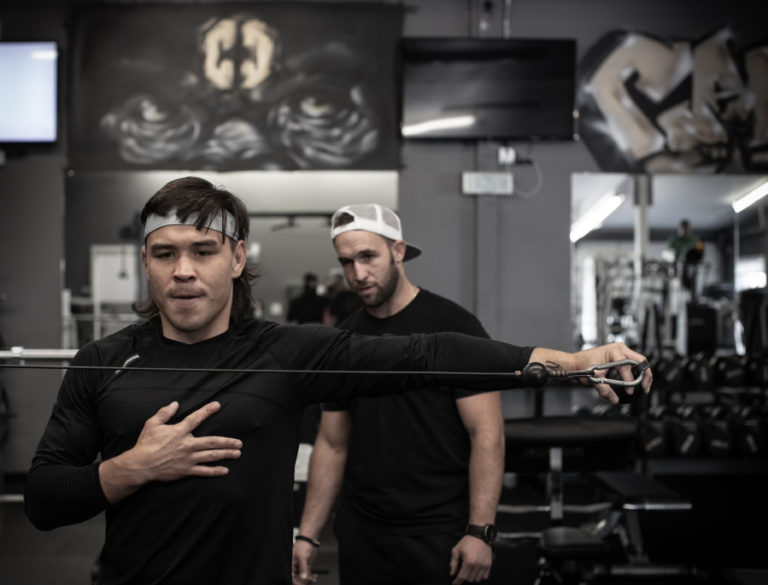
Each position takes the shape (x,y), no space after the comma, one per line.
(284,249)
(290,213)
(628,283)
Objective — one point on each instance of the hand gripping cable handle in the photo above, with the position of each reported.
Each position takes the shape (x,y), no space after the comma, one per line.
(536,374)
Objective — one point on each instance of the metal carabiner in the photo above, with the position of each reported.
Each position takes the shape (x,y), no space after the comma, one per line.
(642,366)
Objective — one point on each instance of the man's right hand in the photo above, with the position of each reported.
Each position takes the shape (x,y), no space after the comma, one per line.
(301,567)
(165,452)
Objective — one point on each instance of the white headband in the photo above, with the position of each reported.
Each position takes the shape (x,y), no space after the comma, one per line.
(155,222)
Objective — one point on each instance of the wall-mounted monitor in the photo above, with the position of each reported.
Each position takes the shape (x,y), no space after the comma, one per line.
(28,92)
(480,88)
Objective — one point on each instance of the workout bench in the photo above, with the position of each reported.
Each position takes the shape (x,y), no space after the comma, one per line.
(605,448)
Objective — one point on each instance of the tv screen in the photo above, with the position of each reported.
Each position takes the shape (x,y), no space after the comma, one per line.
(28,90)
(478,88)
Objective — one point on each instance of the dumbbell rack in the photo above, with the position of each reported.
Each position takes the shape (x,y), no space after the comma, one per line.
(709,413)
(706,423)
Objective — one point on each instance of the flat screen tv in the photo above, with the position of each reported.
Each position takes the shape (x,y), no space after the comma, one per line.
(28,92)
(479,88)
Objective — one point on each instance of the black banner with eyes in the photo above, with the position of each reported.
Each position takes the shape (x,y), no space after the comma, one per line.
(224,87)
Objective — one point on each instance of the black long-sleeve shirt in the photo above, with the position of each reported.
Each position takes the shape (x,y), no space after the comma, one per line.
(234,529)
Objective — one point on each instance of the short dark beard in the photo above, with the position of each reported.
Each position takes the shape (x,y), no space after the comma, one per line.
(388,287)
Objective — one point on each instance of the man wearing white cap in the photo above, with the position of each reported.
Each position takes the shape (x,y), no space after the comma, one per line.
(422,472)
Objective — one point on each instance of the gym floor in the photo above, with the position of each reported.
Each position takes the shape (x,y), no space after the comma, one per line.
(66,556)
(63,556)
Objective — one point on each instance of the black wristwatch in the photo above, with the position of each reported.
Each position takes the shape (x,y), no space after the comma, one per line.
(486,533)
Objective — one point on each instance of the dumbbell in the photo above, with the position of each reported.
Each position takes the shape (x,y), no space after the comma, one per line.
(683,430)
(652,432)
(607,410)
(715,429)
(670,371)
(730,371)
(757,371)
(700,370)
(747,430)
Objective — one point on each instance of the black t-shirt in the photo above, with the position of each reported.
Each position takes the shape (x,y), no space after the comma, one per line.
(234,529)
(408,455)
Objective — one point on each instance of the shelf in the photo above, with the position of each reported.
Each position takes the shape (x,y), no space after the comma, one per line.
(706,466)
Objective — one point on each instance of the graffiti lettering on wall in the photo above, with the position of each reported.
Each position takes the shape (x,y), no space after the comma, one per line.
(292,86)
(647,105)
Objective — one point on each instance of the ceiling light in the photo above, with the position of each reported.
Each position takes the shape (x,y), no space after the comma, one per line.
(595,216)
(438,124)
(751,197)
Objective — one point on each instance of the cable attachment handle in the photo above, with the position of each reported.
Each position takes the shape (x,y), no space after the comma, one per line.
(536,374)
(638,370)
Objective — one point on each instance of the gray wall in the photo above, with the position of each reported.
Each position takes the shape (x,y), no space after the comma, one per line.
(31,236)
(506,258)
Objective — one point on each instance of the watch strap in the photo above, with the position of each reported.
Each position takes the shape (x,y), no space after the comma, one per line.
(312,541)
(486,532)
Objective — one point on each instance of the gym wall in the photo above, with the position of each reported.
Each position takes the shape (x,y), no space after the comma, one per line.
(508,259)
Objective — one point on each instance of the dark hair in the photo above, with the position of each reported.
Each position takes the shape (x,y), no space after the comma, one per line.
(344,218)
(193,195)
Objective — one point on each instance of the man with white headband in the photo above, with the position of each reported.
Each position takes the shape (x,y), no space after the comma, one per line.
(183,428)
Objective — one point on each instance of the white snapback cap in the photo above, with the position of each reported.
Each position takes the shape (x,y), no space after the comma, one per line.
(371,217)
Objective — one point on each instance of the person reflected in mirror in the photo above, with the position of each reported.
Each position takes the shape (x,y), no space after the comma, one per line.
(308,307)
(686,249)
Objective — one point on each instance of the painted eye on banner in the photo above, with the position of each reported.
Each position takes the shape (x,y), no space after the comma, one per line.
(150,132)
(326,123)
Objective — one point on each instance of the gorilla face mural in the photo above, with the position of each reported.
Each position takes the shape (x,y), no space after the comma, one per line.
(269,87)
